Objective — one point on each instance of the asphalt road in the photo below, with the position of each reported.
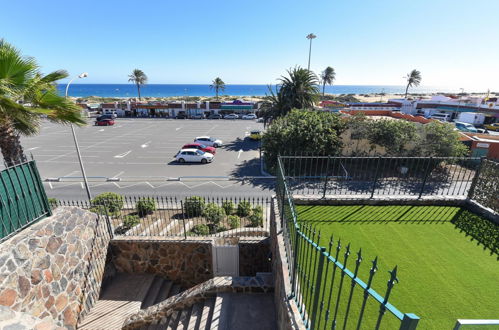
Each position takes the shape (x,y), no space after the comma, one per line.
(139,153)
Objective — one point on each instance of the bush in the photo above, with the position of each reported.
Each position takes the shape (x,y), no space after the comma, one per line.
(194,206)
(228,207)
(130,220)
(201,230)
(145,206)
(52,202)
(107,203)
(214,213)
(258,209)
(244,209)
(256,219)
(220,229)
(234,221)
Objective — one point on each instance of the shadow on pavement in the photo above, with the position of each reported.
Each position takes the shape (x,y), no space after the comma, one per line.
(245,144)
(249,173)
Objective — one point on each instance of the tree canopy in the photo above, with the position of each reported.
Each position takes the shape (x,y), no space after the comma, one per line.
(139,78)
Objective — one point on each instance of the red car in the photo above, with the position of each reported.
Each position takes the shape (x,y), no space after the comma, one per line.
(104,122)
(200,146)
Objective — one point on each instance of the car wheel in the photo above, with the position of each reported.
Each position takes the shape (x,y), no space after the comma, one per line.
(203,161)
(215,145)
(181,160)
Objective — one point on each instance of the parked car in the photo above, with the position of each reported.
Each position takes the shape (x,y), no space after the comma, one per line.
(231,116)
(215,116)
(193,156)
(102,117)
(249,116)
(465,127)
(197,116)
(208,141)
(441,116)
(181,116)
(492,127)
(260,120)
(200,146)
(482,131)
(255,135)
(104,122)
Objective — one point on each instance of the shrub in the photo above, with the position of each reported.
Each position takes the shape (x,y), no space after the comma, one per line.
(256,219)
(234,221)
(201,230)
(220,229)
(228,207)
(258,209)
(145,206)
(214,213)
(52,202)
(130,220)
(244,209)
(109,202)
(194,206)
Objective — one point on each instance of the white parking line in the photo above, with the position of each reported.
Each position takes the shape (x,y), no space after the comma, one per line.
(32,148)
(145,145)
(178,128)
(123,154)
(101,130)
(81,184)
(117,175)
(211,129)
(239,153)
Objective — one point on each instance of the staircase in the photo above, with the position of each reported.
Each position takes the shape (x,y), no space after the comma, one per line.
(125,295)
(225,312)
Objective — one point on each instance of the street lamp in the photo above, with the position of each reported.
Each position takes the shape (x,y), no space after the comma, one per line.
(83,75)
(310,37)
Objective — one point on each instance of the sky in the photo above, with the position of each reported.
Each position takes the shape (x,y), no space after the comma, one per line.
(452,42)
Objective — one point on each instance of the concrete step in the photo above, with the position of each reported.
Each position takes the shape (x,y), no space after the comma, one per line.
(217,312)
(206,314)
(164,291)
(183,320)
(195,316)
(153,292)
(122,297)
(173,321)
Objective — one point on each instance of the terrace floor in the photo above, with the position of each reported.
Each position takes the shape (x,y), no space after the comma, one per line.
(444,273)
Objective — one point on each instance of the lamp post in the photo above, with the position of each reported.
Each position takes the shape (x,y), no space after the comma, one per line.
(83,75)
(310,37)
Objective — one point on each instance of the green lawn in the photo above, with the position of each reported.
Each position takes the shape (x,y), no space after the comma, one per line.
(444,274)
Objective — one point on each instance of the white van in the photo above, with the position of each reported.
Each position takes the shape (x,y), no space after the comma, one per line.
(441,116)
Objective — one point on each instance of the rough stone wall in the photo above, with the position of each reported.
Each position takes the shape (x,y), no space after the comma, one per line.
(10,319)
(288,315)
(254,256)
(185,262)
(45,269)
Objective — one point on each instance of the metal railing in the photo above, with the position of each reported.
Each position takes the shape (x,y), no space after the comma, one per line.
(328,294)
(191,216)
(370,177)
(22,198)
(485,188)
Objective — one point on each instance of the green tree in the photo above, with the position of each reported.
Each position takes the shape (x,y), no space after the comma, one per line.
(300,131)
(296,91)
(441,140)
(139,78)
(25,96)
(328,76)
(413,80)
(218,85)
(394,135)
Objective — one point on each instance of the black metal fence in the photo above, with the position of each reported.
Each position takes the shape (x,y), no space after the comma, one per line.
(369,177)
(328,294)
(22,198)
(172,217)
(485,189)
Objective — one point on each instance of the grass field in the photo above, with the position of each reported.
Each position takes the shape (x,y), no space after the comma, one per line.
(444,273)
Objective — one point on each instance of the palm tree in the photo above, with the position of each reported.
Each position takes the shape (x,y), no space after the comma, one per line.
(297,91)
(327,76)
(413,79)
(217,84)
(25,96)
(139,78)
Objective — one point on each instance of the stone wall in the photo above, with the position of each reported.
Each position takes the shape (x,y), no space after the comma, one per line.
(254,256)
(185,262)
(288,315)
(54,268)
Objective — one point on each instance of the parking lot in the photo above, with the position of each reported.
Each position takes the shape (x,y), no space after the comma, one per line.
(136,156)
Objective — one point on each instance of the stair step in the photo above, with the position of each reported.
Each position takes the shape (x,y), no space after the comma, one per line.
(164,291)
(175,290)
(122,297)
(195,317)
(206,314)
(216,321)
(152,293)
(183,320)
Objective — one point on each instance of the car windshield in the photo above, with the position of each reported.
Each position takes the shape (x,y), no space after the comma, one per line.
(200,152)
(202,146)
(255,132)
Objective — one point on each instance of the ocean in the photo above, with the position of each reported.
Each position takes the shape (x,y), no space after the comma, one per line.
(165,90)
